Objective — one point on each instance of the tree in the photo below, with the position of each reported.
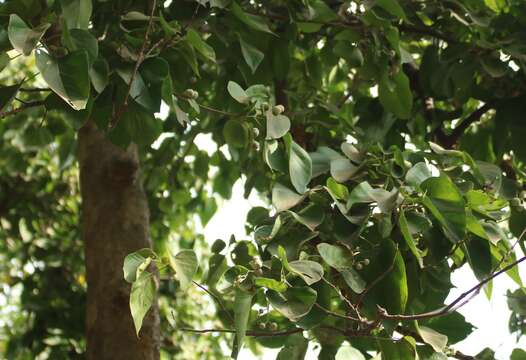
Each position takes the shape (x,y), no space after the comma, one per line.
(387,135)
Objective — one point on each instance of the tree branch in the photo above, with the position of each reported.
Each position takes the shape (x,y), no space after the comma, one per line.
(382,313)
(216,298)
(21,108)
(248,333)
(448,141)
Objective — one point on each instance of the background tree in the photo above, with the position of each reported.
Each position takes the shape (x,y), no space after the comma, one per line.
(387,135)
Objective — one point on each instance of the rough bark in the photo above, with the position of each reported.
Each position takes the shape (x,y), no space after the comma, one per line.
(115,222)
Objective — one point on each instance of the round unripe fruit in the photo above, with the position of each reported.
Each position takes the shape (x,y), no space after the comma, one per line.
(278,109)
(358,266)
(191,93)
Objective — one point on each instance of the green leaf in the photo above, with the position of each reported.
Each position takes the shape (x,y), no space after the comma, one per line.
(68,76)
(410,241)
(7,94)
(395,94)
(339,191)
(23,38)
(253,21)
(518,354)
(354,280)
(294,303)
(237,92)
(277,125)
(133,261)
(242,305)
(235,133)
(392,7)
(403,349)
(335,256)
(417,175)
(99,74)
(141,298)
(76,13)
(321,160)
(341,259)
(271,284)
(311,216)
(217,266)
(453,325)
(295,348)
(343,170)
(447,205)
(283,198)
(4,61)
(136,125)
(310,271)
(347,352)
(185,266)
(352,152)
(300,165)
(200,45)
(83,40)
(391,291)
(432,337)
(364,193)
(252,55)
(140,92)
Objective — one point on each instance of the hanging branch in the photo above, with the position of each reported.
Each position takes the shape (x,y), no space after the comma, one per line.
(448,141)
(456,304)
(21,108)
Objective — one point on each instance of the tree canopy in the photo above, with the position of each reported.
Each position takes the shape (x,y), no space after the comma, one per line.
(387,137)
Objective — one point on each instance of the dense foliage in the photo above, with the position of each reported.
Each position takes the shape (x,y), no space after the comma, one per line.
(387,135)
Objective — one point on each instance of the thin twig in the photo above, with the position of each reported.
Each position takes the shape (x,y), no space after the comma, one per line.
(217,298)
(335,314)
(248,333)
(382,313)
(34,89)
(448,141)
(209,108)
(21,108)
(347,301)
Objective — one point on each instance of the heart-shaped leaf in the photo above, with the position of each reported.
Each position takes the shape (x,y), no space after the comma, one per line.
(68,76)
(141,298)
(185,266)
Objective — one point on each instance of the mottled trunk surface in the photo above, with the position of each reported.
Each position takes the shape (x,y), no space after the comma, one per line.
(114,223)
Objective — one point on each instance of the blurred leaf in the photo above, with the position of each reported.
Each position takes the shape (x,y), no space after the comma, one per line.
(185,266)
(242,305)
(133,261)
(76,13)
(23,38)
(252,55)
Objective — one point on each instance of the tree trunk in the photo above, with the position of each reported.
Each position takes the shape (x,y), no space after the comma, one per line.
(115,222)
